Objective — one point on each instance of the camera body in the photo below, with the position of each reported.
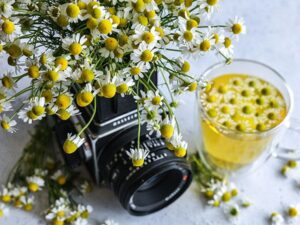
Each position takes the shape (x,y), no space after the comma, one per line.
(141,190)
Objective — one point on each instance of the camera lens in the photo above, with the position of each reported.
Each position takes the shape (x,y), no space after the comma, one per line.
(155,185)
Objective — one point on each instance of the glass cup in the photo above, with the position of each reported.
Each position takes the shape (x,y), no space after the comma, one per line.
(231,152)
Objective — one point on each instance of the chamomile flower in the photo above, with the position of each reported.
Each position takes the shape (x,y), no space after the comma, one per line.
(187,37)
(75,44)
(110,46)
(65,114)
(27,202)
(6,8)
(4,210)
(124,84)
(8,82)
(38,106)
(5,106)
(6,194)
(276,219)
(108,88)
(84,211)
(206,43)
(232,211)
(58,212)
(7,124)
(86,96)
(236,26)
(227,48)
(72,143)
(178,145)
(167,127)
(137,70)
(293,211)
(143,55)
(144,35)
(71,11)
(153,100)
(138,156)
(60,177)
(209,6)
(85,187)
(35,183)
(28,116)
(10,29)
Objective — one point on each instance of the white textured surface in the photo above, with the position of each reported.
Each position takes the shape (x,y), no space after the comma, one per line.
(273,38)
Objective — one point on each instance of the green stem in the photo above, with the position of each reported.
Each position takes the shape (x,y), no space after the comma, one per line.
(91,119)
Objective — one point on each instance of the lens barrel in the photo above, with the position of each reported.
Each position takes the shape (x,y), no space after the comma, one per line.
(155,185)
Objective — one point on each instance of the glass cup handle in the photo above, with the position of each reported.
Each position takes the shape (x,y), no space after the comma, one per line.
(288,146)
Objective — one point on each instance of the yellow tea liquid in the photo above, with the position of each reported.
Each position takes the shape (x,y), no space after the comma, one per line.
(239,108)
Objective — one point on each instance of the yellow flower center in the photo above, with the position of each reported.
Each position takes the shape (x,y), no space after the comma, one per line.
(109,90)
(62,21)
(139,6)
(85,214)
(148,37)
(52,75)
(31,115)
(33,187)
(161,31)
(28,207)
(205,46)
(62,62)
(227,42)
(138,162)
(180,152)
(122,88)
(150,14)
(237,28)
(105,27)
(156,100)
(184,13)
(61,180)
(5,125)
(75,48)
(216,37)
(123,22)
(34,71)
(147,56)
(193,86)
(123,39)
(7,82)
(111,44)
(6,198)
(96,13)
(167,131)
(14,51)
(191,24)
(92,23)
(81,4)
(226,197)
(60,213)
(8,27)
(63,114)
(212,2)
(86,97)
(63,101)
(38,110)
(73,10)
(135,71)
(188,35)
(43,59)
(143,20)
(47,94)
(58,222)
(293,212)
(87,75)
(185,67)
(69,147)
(115,19)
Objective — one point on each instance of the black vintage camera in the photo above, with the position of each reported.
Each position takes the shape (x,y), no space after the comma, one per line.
(141,190)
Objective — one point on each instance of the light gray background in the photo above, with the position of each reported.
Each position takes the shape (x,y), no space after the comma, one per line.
(273,38)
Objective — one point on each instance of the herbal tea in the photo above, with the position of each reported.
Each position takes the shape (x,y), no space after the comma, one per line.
(239,104)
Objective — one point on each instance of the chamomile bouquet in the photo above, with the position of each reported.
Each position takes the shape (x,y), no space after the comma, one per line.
(107,47)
